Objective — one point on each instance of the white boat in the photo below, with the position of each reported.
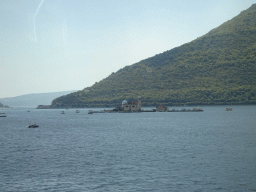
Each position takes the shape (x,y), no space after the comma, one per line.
(62,112)
(77,111)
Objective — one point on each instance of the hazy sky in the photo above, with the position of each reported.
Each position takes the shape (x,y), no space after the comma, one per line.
(60,45)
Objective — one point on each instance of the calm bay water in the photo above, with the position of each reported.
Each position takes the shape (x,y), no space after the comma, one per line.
(214,150)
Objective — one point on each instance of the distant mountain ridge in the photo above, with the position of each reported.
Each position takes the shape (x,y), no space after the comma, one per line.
(33,99)
(217,68)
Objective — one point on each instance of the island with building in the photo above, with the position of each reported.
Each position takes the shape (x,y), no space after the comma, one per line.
(131,107)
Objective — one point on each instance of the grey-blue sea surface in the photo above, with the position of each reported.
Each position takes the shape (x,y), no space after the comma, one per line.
(213,150)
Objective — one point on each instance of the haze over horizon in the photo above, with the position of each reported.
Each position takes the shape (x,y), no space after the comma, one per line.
(51,46)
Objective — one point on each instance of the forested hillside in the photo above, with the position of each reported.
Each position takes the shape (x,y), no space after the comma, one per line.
(217,68)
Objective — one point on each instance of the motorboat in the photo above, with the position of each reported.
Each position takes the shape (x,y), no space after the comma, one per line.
(33,126)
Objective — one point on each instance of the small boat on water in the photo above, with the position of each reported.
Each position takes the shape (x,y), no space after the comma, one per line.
(2,115)
(62,112)
(33,126)
(90,112)
(77,111)
(228,109)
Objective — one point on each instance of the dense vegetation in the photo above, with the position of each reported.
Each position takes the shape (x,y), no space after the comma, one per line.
(217,68)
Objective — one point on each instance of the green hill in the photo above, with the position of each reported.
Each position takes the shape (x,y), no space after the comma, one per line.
(217,68)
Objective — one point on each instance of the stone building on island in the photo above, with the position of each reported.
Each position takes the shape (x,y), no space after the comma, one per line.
(130,106)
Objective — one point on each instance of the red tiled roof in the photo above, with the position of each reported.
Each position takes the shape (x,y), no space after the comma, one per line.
(131,103)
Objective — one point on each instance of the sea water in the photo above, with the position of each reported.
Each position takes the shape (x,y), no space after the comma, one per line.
(213,150)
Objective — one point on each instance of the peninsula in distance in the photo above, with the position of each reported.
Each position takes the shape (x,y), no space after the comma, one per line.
(217,68)
(32,100)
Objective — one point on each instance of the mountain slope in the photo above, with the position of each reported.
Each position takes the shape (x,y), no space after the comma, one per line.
(217,68)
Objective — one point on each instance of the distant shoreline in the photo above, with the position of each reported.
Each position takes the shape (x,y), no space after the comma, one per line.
(173,106)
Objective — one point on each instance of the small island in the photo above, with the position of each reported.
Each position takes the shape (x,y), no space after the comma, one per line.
(131,107)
